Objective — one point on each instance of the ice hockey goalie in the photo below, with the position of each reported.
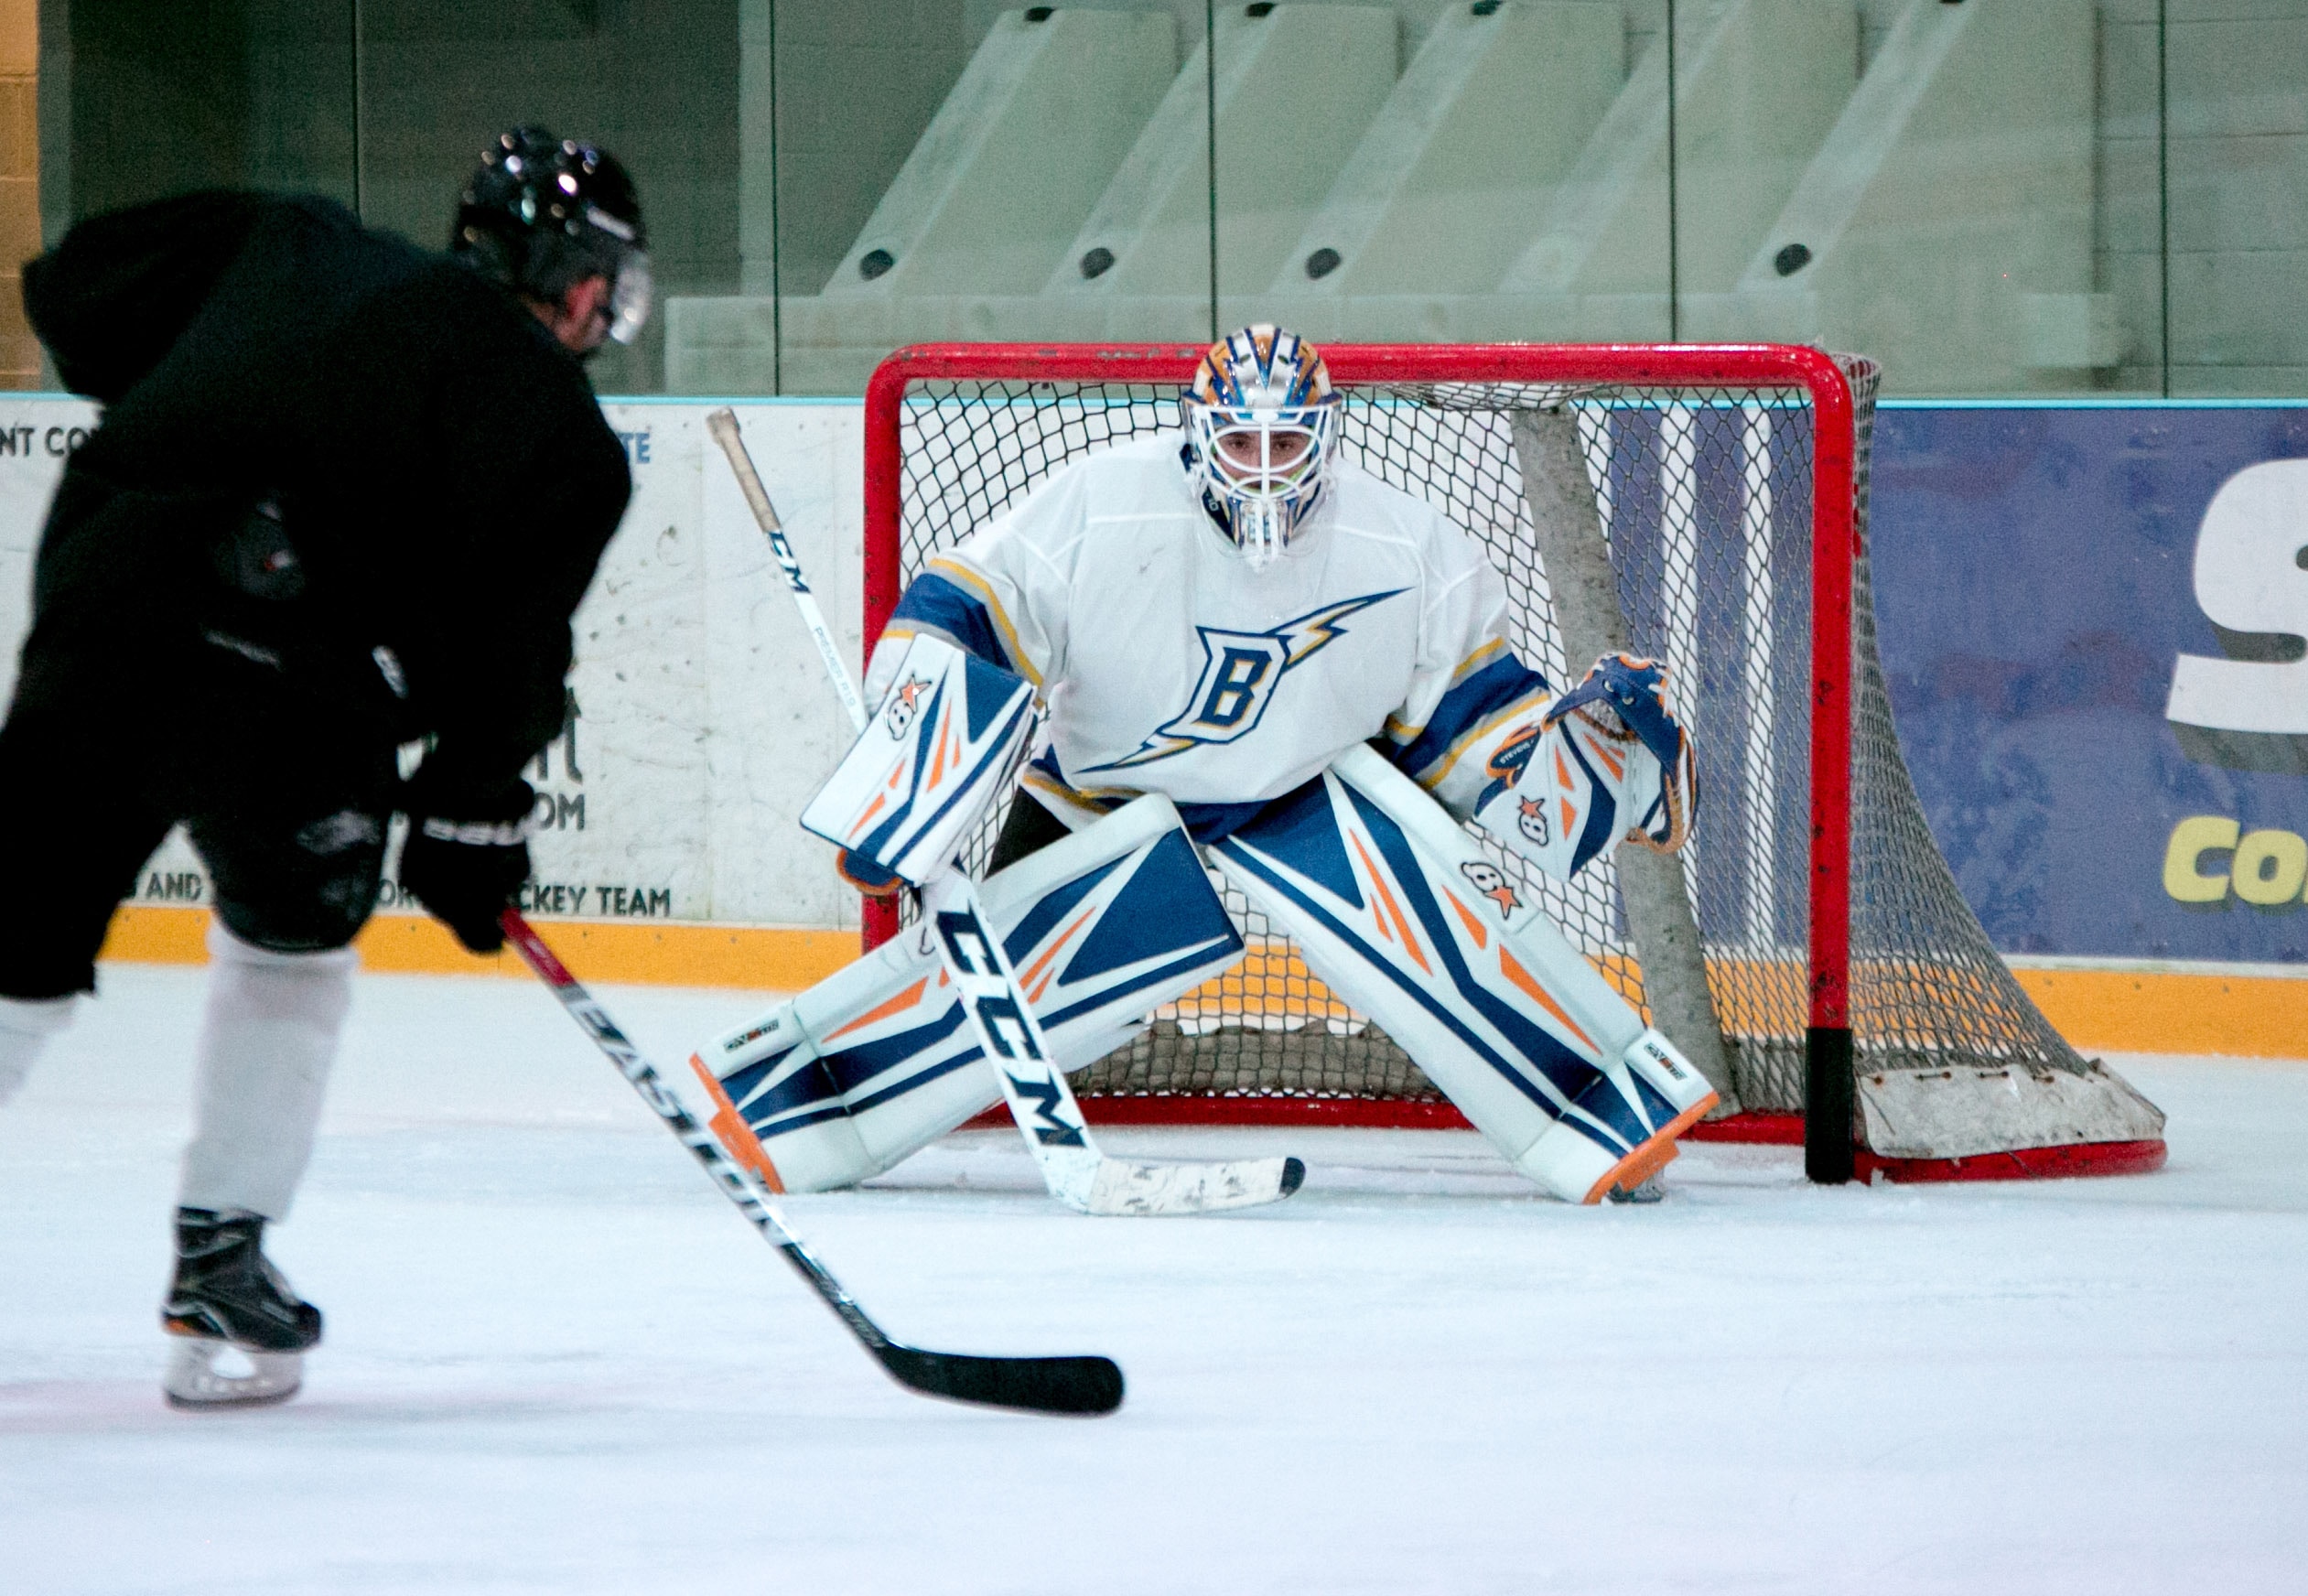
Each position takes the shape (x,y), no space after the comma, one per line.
(1244,639)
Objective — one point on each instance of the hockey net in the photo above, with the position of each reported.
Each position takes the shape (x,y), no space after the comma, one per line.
(1727,488)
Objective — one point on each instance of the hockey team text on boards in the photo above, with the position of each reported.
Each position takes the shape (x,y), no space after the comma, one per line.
(17,438)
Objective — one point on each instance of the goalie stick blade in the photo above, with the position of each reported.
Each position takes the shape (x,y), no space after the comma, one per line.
(1075,1171)
(1085,1385)
(1088,1385)
(1152,1190)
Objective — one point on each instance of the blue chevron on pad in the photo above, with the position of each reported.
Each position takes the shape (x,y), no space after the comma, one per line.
(804,1088)
(851,1067)
(1027,934)
(739,1082)
(1299,830)
(1166,905)
(988,691)
(1653,1101)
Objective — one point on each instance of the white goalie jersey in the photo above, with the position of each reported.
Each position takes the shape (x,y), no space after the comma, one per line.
(1169,665)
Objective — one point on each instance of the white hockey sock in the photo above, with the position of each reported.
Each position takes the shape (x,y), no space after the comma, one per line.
(25,1025)
(267,1045)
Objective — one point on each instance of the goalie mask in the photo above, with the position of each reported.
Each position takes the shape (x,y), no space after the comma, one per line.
(1260,423)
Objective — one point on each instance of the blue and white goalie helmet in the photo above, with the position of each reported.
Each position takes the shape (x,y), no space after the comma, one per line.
(1261,421)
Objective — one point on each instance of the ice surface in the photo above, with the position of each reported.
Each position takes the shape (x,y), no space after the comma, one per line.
(556,1361)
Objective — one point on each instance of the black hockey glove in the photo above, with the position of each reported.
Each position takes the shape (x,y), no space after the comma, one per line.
(467,854)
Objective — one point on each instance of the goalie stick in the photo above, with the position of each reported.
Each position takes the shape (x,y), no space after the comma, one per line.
(1072,1166)
(1085,1385)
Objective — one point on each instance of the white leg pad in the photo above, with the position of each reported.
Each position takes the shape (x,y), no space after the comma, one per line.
(1402,914)
(874,1062)
(25,1025)
(266,1044)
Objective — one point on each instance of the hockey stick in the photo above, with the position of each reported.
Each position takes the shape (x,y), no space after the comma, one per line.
(1088,1385)
(723,425)
(1008,1034)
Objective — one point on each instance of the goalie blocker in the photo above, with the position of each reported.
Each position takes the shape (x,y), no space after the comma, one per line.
(925,766)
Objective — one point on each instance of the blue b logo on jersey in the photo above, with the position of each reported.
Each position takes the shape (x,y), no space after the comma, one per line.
(1240,673)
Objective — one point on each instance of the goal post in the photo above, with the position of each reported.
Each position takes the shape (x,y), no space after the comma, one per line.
(1704,504)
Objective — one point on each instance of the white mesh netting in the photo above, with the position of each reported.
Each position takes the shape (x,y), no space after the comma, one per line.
(1705,500)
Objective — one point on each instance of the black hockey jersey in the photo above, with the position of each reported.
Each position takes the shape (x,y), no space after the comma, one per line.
(437,463)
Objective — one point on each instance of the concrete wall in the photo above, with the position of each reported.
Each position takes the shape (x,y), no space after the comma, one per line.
(1944,222)
(651,79)
(2089,318)
(857,85)
(1758,86)
(1283,131)
(148,97)
(141,97)
(1017,157)
(1477,138)
(2240,196)
(2238,191)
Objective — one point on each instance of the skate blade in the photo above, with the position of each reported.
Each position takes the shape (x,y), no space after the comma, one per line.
(194,1381)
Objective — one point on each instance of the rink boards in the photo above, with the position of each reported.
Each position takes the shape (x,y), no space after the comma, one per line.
(698,722)
(2146,871)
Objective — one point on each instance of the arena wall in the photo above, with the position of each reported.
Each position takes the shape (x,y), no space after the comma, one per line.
(2092,619)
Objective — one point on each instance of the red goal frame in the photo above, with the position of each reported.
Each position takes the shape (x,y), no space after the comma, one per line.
(1835,547)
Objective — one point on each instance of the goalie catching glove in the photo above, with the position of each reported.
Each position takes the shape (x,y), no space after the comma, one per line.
(467,852)
(1607,761)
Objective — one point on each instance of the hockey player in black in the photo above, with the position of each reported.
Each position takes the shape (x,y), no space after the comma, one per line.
(345,496)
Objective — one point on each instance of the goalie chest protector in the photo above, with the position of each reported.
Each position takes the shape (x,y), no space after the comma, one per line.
(1170,666)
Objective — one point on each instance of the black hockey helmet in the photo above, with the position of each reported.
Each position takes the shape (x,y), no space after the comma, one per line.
(542,214)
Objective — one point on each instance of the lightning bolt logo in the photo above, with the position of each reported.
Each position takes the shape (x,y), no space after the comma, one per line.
(1240,673)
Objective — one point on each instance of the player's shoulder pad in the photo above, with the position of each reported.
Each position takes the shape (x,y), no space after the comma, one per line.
(1134,476)
(1367,508)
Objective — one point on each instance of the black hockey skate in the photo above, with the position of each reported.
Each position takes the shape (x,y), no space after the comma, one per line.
(227,1298)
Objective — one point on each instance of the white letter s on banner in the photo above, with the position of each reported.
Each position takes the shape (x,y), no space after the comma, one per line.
(2249,577)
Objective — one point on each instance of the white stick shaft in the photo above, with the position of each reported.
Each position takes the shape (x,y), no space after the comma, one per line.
(1011,1039)
(723,425)
(1006,1031)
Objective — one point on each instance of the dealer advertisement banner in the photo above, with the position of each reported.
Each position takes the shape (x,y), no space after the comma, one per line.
(2093,620)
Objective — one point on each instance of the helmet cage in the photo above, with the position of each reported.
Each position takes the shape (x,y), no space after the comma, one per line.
(631,292)
(632,287)
(1258,501)
(1264,387)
